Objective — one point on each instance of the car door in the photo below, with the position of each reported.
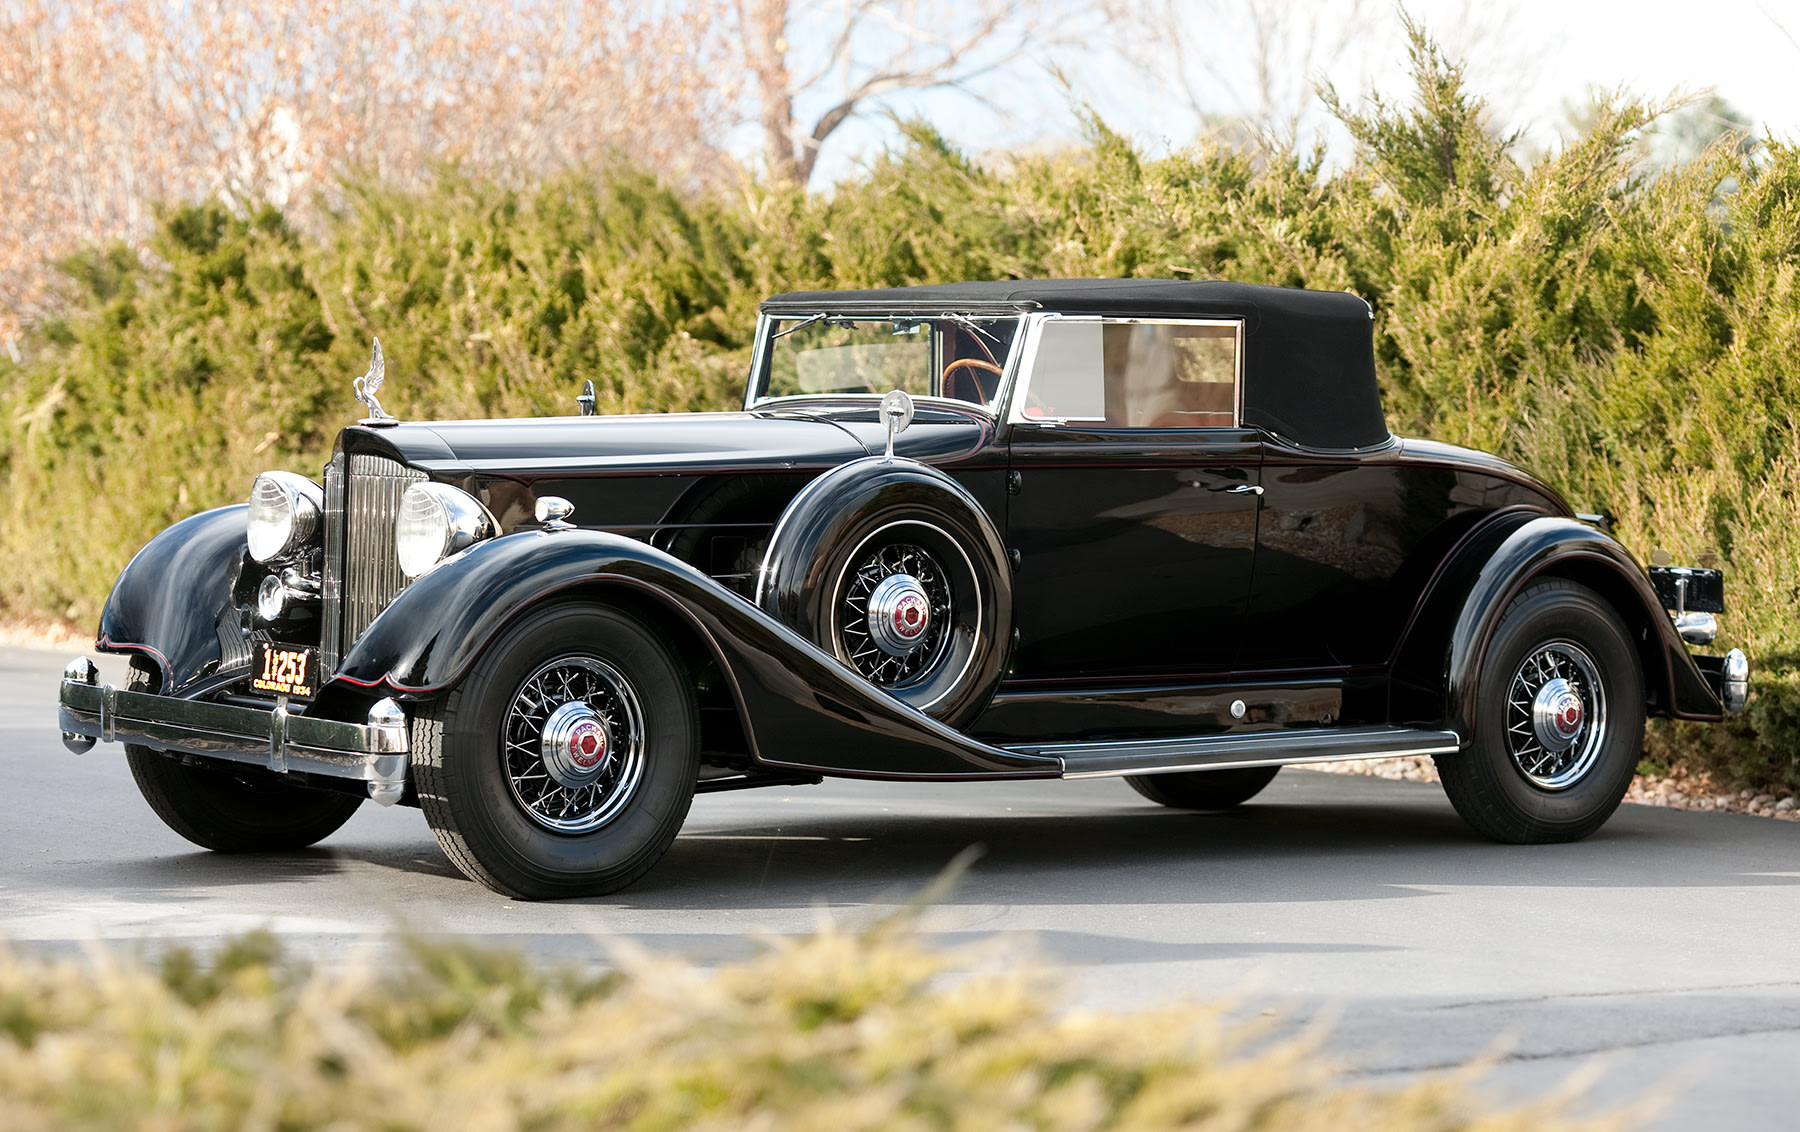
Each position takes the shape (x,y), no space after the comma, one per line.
(1135,500)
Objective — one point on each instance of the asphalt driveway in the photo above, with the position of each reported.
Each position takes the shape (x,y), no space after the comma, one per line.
(1666,945)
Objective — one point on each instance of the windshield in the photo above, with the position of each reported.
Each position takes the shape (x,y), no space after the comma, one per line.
(940,355)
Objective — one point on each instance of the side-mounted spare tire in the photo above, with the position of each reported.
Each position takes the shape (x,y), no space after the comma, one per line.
(893,568)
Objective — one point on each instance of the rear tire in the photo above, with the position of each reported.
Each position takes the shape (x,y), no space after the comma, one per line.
(514,800)
(1559,723)
(1204,789)
(232,809)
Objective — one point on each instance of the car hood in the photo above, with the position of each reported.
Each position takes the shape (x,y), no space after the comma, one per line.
(670,442)
(659,444)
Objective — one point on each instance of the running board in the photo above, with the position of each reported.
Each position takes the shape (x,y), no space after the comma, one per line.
(1256,748)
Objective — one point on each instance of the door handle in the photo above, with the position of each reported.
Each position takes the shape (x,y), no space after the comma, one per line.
(1244,489)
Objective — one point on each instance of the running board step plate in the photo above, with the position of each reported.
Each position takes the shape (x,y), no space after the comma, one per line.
(1256,748)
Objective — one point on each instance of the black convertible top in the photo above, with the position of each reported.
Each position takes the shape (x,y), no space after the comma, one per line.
(1309,356)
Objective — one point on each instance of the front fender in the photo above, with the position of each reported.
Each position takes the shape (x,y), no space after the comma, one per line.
(1564,548)
(173,604)
(799,707)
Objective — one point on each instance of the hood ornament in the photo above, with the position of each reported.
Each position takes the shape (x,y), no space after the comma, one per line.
(369,384)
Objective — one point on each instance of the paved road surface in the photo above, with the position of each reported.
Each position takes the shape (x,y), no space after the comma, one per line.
(1666,945)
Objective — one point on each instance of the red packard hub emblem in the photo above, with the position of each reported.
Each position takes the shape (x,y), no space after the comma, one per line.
(899,614)
(912,614)
(587,744)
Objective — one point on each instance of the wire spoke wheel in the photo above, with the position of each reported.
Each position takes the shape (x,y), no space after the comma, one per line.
(1555,715)
(894,612)
(573,744)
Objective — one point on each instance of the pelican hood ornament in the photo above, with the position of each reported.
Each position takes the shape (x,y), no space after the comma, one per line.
(369,384)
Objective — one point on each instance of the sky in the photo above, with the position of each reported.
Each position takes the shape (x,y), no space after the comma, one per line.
(1748,51)
(1533,60)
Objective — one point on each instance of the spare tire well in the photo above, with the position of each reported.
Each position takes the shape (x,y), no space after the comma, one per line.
(721,526)
(893,568)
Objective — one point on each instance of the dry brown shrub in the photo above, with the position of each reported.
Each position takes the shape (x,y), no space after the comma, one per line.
(109,108)
(835,1033)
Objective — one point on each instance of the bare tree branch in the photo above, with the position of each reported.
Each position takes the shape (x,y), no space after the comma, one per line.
(874,47)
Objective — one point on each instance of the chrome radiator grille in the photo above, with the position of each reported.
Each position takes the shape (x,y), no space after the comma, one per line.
(362,574)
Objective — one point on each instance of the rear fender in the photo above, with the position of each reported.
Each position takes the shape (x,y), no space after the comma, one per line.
(173,602)
(1439,668)
(798,707)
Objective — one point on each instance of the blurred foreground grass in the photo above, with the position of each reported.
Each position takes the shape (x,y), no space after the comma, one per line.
(836,1032)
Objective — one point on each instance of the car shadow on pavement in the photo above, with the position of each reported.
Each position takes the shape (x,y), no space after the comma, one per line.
(173,876)
(1261,853)
(1305,849)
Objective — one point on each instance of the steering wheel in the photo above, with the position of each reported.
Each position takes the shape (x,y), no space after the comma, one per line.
(967,363)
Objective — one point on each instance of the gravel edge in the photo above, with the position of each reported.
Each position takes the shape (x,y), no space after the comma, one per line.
(1675,792)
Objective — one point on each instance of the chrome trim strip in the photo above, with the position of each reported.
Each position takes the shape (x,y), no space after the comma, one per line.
(279,740)
(1256,748)
(331,610)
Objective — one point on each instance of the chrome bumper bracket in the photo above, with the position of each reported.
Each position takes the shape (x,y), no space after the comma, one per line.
(377,753)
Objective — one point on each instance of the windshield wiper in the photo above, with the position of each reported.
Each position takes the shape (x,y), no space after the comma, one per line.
(970,324)
(801,325)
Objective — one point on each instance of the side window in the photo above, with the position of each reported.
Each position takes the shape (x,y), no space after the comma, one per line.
(1171,375)
(1068,374)
(1135,374)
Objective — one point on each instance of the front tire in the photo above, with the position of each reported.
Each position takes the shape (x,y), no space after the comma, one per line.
(565,763)
(232,809)
(1559,721)
(1204,789)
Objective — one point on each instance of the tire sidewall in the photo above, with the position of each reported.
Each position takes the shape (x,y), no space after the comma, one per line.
(1562,611)
(506,838)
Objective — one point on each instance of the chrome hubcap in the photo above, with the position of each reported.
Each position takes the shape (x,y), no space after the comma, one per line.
(899,614)
(574,744)
(892,611)
(1556,715)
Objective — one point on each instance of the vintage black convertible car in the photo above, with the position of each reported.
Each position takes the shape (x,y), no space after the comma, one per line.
(1147,528)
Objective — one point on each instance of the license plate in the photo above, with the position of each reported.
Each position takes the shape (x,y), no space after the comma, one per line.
(285,670)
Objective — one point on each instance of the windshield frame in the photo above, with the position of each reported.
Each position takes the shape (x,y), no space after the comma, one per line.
(766,328)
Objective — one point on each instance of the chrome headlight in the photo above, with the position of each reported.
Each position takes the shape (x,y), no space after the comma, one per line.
(284,514)
(436,521)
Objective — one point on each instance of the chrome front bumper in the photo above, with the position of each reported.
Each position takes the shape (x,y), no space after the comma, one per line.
(376,753)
